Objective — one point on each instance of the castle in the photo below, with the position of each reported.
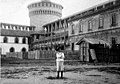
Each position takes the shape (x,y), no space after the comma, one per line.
(17,38)
(99,24)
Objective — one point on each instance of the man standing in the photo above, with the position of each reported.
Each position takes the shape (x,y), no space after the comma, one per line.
(59,62)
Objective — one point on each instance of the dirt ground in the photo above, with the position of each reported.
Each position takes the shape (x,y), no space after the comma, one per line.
(73,74)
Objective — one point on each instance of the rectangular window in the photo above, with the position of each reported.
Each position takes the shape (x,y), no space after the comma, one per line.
(114,40)
(101,23)
(39,4)
(113,19)
(73,29)
(90,25)
(80,27)
(42,4)
(35,5)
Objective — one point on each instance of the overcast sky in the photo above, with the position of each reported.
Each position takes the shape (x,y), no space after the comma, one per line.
(16,12)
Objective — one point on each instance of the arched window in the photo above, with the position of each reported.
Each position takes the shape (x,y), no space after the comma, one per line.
(16,40)
(12,49)
(23,50)
(5,39)
(24,40)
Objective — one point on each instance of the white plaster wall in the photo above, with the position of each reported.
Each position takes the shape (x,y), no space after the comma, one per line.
(1,39)
(17,46)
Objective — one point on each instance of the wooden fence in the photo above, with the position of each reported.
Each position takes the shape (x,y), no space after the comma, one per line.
(37,56)
(43,54)
(72,55)
(103,54)
(69,55)
(14,55)
(109,55)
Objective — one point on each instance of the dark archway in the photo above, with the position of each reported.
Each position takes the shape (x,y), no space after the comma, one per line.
(23,50)
(24,53)
(12,49)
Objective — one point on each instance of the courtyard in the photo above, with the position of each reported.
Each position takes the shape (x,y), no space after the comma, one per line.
(75,73)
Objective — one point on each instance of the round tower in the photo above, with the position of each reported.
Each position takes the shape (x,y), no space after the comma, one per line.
(44,12)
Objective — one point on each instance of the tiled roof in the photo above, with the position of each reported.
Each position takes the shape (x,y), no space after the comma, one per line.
(6,32)
(92,41)
(38,32)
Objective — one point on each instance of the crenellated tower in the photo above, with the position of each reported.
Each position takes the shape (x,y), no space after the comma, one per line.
(44,12)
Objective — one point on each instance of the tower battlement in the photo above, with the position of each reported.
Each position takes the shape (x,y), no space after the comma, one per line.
(44,12)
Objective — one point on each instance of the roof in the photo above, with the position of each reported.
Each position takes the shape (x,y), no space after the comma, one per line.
(6,32)
(38,32)
(77,15)
(14,24)
(92,41)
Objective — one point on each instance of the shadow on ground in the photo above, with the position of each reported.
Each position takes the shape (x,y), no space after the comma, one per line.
(53,78)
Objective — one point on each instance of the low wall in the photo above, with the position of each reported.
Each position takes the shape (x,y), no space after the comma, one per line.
(15,55)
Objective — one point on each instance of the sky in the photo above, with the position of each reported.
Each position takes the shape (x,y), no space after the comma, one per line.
(16,12)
